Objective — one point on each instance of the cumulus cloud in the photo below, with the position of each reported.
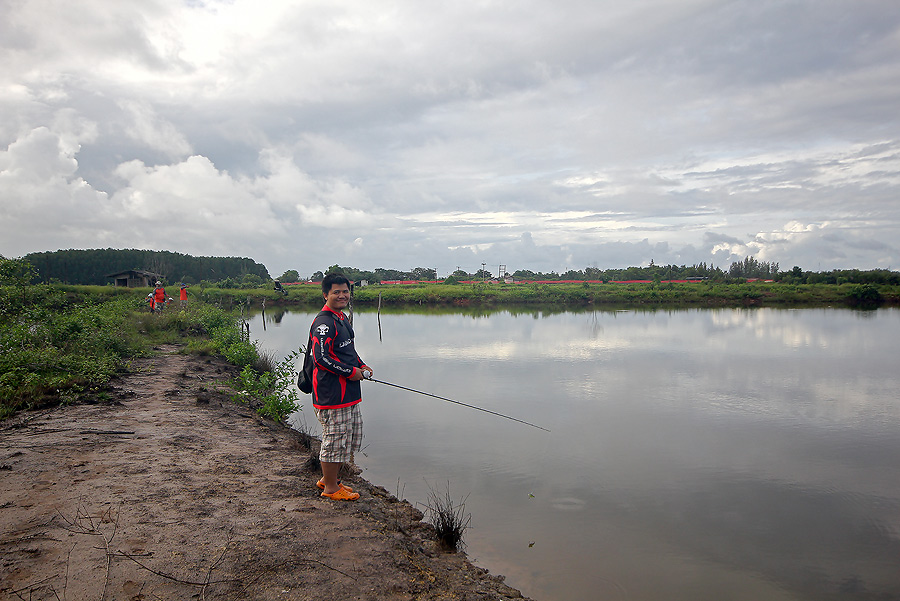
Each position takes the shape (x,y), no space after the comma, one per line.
(41,195)
(540,136)
(144,126)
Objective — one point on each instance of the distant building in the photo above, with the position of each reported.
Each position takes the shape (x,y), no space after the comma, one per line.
(135,278)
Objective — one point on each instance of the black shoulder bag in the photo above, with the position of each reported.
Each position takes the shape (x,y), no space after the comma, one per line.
(305,377)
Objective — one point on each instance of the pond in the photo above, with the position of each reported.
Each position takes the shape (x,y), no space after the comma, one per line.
(692,454)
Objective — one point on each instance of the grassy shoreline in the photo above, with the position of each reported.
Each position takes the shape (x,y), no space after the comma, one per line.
(667,295)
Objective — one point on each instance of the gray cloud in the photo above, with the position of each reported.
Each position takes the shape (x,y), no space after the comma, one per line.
(543,136)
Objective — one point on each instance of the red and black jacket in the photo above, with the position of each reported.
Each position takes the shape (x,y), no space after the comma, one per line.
(334,355)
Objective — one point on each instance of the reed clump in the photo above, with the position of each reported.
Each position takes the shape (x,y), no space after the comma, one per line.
(449,518)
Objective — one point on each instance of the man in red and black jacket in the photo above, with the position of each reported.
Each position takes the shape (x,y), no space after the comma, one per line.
(336,389)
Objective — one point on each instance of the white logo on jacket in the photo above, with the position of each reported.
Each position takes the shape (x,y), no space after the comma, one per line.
(322,330)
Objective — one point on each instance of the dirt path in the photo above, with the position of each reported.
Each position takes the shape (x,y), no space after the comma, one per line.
(165,489)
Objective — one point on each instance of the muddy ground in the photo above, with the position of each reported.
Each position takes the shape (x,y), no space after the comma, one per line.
(167,489)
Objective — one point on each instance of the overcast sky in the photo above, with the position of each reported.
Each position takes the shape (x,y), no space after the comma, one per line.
(544,135)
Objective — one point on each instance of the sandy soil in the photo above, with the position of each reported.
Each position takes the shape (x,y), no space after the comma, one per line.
(166,489)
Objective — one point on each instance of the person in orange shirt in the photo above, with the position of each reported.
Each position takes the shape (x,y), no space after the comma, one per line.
(183,296)
(159,296)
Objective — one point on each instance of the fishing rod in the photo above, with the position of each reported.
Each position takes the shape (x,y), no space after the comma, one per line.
(370,379)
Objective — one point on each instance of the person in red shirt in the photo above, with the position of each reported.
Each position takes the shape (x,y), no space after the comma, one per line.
(183,296)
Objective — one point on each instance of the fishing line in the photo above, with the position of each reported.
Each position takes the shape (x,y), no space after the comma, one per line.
(458,403)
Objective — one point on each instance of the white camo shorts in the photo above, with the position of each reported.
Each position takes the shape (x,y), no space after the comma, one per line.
(341,433)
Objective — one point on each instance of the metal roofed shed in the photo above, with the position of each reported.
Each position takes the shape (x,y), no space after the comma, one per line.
(135,278)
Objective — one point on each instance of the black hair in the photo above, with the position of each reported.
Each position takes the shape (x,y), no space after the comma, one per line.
(333,278)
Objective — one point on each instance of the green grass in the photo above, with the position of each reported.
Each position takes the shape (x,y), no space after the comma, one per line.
(54,347)
(61,343)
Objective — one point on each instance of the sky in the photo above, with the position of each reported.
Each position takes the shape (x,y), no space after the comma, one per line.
(539,135)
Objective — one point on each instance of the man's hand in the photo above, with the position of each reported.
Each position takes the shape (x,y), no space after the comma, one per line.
(360,373)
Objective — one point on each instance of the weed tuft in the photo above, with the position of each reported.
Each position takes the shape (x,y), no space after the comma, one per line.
(449,519)
(265,362)
(312,463)
(304,437)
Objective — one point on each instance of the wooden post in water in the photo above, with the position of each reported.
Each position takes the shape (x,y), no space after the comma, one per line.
(350,305)
(379,318)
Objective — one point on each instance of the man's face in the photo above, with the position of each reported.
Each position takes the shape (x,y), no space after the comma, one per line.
(338,297)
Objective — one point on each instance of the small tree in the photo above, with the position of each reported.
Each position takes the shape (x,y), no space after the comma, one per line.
(291,275)
(424,273)
(251,280)
(17,272)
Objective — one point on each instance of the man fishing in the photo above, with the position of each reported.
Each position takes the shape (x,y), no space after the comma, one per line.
(336,389)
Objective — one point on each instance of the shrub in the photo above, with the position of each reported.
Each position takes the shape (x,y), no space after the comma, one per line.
(241,353)
(274,390)
(864,294)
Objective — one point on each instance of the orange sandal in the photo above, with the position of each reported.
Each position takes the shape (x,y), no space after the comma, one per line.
(342,494)
(321,485)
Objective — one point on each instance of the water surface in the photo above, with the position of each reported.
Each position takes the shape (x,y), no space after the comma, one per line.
(693,454)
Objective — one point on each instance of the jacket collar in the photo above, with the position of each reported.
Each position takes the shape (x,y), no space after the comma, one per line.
(339,314)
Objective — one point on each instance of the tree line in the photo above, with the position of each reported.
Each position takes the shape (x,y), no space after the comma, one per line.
(92,267)
(748,269)
(375,276)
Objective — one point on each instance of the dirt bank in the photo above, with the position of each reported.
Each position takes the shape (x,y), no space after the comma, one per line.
(165,489)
